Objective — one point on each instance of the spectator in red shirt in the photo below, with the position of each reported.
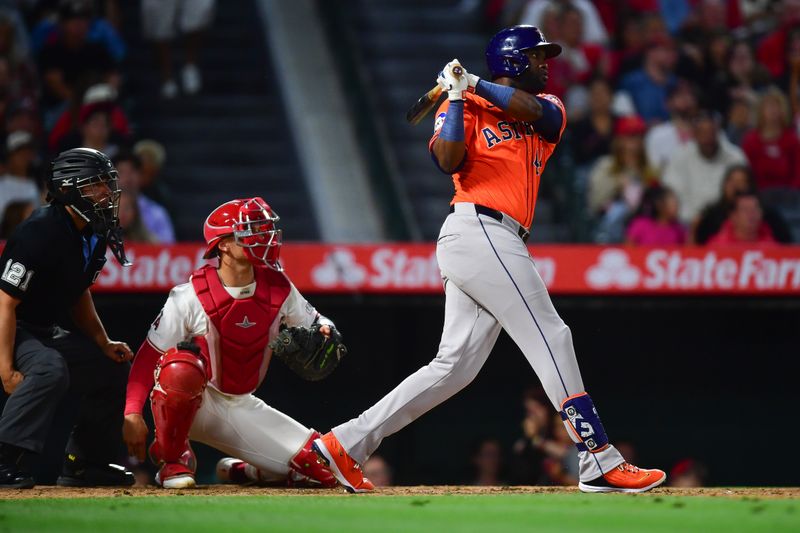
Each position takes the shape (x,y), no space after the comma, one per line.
(772,148)
(745,224)
(771,50)
(656,221)
(583,59)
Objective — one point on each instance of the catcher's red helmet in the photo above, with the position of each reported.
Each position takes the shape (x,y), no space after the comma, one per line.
(252,222)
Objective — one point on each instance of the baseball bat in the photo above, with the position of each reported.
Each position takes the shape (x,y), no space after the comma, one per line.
(428,101)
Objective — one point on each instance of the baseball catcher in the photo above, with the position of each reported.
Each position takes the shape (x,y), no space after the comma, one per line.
(209,349)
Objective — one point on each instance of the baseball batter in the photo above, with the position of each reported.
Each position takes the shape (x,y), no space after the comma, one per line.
(202,389)
(495,139)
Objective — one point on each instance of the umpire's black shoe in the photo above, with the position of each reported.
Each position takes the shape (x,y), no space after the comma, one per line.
(79,473)
(11,477)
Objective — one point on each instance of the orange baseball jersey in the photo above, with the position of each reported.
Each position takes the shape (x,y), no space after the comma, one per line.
(504,160)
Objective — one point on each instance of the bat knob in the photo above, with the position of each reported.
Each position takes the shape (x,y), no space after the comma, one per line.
(458,71)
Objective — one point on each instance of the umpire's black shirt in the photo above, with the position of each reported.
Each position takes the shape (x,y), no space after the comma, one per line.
(48,263)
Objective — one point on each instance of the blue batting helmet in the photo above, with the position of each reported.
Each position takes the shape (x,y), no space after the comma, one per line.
(504,53)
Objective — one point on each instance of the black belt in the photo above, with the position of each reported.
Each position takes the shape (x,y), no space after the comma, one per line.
(498,216)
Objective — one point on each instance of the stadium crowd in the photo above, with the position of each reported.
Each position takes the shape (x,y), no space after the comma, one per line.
(676,109)
(63,85)
(683,115)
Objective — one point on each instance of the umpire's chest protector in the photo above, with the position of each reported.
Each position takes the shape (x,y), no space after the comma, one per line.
(239,329)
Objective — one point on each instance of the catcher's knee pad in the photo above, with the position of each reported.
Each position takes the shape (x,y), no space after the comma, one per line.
(307,463)
(583,423)
(180,380)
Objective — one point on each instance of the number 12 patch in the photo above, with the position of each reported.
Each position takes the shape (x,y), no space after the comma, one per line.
(16,274)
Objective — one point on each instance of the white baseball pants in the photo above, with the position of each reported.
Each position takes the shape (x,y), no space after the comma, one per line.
(491,283)
(245,427)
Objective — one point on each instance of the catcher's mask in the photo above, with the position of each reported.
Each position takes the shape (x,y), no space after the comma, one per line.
(252,223)
(86,180)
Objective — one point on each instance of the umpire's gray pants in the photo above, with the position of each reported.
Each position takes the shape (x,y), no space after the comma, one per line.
(53,363)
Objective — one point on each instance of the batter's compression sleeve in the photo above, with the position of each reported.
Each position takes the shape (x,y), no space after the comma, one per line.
(551,123)
(141,380)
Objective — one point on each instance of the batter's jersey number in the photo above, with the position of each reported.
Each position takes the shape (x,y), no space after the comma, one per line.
(16,274)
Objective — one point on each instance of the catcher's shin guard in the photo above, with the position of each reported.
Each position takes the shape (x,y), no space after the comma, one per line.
(176,397)
(583,423)
(307,463)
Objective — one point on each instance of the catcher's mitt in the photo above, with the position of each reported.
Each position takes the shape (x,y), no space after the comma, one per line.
(308,352)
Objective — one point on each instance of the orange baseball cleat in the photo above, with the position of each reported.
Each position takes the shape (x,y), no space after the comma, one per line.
(346,470)
(625,478)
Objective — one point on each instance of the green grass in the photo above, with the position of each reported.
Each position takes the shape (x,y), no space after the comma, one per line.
(443,514)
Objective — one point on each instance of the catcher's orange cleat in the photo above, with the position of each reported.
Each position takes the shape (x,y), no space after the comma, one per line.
(625,478)
(346,470)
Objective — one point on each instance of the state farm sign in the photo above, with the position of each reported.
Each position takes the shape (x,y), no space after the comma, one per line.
(412,268)
(694,270)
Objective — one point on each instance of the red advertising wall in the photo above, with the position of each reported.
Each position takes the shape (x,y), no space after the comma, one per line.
(412,268)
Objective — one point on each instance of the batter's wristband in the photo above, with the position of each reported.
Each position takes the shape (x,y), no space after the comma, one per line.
(453,127)
(499,95)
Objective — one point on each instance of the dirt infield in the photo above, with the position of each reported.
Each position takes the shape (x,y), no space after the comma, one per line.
(231,490)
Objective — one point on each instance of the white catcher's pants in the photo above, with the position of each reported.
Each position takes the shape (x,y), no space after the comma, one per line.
(491,283)
(245,427)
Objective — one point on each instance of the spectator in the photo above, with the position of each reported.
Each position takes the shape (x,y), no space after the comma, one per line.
(130,220)
(377,470)
(696,170)
(95,131)
(487,462)
(18,184)
(737,179)
(771,50)
(101,31)
(793,56)
(544,454)
(591,136)
(22,115)
(688,473)
(773,147)
(100,96)
(69,62)
(745,225)
(616,181)
(632,41)
(648,86)
(15,50)
(743,79)
(665,139)
(15,213)
(152,157)
(593,30)
(528,454)
(160,19)
(715,60)
(561,463)
(656,221)
(740,120)
(578,60)
(155,218)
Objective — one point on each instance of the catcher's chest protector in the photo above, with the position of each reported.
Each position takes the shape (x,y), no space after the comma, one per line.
(239,328)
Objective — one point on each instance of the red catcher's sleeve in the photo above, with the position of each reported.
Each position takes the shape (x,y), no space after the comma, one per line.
(141,379)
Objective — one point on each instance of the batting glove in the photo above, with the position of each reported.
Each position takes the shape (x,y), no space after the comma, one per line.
(455,85)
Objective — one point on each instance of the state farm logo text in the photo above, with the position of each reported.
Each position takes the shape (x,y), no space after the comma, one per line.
(679,270)
(391,268)
(158,271)
(671,270)
(387,269)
